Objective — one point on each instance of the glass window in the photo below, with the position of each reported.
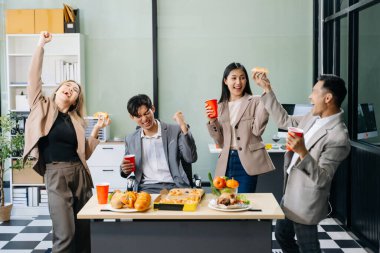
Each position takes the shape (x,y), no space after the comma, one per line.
(343,60)
(369,75)
(342,4)
(328,8)
(332,7)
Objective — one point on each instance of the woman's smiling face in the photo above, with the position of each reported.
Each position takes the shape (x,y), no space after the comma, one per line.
(68,93)
(236,82)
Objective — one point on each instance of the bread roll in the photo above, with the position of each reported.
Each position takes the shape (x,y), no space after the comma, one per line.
(143,201)
(116,200)
(260,70)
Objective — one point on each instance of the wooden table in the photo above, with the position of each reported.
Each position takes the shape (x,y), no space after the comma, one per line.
(204,230)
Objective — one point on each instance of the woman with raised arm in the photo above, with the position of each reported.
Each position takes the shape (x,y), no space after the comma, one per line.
(237,130)
(56,144)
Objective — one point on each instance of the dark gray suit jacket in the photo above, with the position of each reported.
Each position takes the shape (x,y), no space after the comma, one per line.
(307,187)
(176,146)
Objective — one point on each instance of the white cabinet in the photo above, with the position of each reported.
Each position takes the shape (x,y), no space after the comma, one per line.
(104,165)
(63,60)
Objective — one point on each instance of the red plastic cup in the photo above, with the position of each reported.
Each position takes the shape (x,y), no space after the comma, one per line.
(296,131)
(213,103)
(102,192)
(131,159)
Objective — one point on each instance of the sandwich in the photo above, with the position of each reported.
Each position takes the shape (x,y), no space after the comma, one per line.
(260,70)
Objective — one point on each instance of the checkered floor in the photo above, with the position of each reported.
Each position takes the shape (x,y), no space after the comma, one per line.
(22,235)
(332,238)
(26,234)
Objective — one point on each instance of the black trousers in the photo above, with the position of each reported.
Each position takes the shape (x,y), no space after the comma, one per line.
(69,188)
(307,237)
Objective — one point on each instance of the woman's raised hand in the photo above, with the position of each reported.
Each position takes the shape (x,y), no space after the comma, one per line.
(45,37)
(261,80)
(102,121)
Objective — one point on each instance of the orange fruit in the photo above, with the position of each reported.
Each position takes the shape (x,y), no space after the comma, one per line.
(219,182)
(232,183)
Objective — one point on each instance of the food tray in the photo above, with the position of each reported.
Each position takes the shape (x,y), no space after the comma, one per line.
(179,199)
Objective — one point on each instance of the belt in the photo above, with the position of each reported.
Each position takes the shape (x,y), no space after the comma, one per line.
(64,162)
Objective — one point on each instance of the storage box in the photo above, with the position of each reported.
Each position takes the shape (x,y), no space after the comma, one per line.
(73,27)
(48,20)
(26,176)
(19,21)
(22,103)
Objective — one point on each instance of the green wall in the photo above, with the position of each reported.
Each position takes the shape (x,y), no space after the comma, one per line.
(196,40)
(118,53)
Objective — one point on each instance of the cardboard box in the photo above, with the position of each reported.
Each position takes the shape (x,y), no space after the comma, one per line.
(48,20)
(26,176)
(19,21)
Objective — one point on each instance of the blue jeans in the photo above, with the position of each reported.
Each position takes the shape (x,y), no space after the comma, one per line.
(307,237)
(247,183)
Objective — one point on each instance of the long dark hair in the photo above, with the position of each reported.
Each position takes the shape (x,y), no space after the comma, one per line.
(225,91)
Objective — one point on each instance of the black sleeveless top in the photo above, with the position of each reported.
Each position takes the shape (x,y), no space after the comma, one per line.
(61,143)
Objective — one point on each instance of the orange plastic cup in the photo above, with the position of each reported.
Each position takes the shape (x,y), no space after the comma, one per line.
(131,159)
(296,131)
(213,103)
(102,192)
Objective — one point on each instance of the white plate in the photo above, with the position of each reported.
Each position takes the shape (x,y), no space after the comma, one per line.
(121,210)
(212,204)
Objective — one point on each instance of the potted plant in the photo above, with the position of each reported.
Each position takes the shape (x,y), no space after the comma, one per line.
(10,146)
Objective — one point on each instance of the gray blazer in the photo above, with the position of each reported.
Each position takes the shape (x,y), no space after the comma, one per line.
(251,122)
(307,187)
(176,146)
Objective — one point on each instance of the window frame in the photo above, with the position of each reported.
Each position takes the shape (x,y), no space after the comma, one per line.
(327,56)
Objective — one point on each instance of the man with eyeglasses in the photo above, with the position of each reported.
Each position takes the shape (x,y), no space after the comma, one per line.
(158,148)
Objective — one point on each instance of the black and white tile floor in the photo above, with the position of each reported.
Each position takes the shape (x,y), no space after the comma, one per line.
(332,238)
(33,234)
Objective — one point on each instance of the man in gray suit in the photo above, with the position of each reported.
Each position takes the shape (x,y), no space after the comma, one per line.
(310,167)
(158,148)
